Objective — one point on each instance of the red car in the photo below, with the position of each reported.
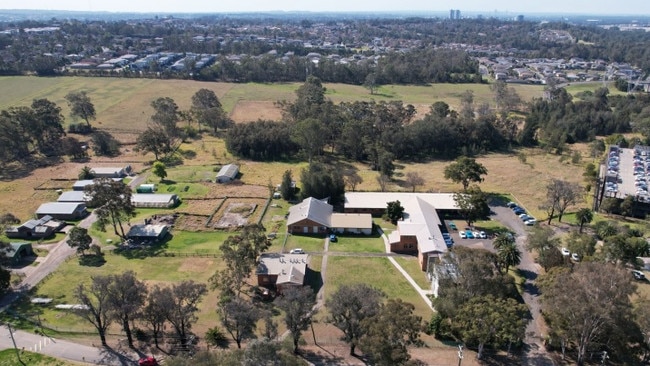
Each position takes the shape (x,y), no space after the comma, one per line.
(148,361)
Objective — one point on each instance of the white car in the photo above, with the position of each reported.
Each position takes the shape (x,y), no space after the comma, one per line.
(530,222)
(297,251)
(462,235)
(482,234)
(565,251)
(575,257)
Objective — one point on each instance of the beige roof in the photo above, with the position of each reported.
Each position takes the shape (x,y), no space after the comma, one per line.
(290,268)
(441,201)
(351,220)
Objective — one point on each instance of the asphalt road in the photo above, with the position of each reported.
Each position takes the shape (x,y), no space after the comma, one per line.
(536,354)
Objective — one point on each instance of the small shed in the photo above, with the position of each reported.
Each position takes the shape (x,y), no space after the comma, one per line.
(154,200)
(17,251)
(80,185)
(62,210)
(148,232)
(146,188)
(109,172)
(228,173)
(74,196)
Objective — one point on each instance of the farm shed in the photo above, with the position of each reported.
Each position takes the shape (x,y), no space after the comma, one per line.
(282,270)
(146,188)
(34,229)
(109,172)
(228,173)
(148,232)
(154,200)
(80,185)
(74,196)
(17,251)
(62,210)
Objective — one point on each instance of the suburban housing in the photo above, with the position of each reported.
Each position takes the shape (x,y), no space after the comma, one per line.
(313,216)
(109,172)
(281,270)
(228,173)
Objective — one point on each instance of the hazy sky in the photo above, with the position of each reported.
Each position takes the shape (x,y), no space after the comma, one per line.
(640,7)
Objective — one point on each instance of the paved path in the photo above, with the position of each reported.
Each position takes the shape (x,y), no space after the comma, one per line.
(63,349)
(423,293)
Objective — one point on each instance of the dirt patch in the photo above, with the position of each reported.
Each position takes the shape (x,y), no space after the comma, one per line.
(236,214)
(248,111)
(187,222)
(235,189)
(200,207)
(195,265)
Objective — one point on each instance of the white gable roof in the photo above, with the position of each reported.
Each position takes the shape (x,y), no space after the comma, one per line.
(312,209)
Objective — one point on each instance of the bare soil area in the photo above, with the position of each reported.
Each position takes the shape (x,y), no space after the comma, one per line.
(236,214)
(202,207)
(248,111)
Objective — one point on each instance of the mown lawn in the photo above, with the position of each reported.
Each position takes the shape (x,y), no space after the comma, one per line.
(358,244)
(412,267)
(8,357)
(306,243)
(377,272)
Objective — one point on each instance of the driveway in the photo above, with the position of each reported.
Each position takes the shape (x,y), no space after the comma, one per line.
(535,353)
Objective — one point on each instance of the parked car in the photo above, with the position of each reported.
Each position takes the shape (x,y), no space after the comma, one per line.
(449,243)
(482,234)
(575,257)
(469,234)
(452,226)
(638,275)
(333,238)
(463,235)
(148,361)
(297,251)
(519,211)
(565,252)
(511,204)
(530,222)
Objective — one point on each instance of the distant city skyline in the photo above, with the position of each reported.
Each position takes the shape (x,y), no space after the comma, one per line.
(596,7)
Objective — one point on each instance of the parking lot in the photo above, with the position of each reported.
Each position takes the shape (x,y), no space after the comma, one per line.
(628,173)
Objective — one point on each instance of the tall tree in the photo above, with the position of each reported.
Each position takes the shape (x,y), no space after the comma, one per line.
(297,304)
(320,181)
(154,312)
(599,302)
(207,110)
(240,253)
(465,170)
(394,211)
(308,134)
(81,106)
(113,202)
(508,256)
(560,195)
(388,333)
(286,187)
(95,299)
(352,179)
(50,131)
(413,180)
(349,306)
(584,216)
(181,305)
(157,141)
(159,170)
(166,115)
(239,317)
(472,204)
(126,298)
(78,238)
(487,320)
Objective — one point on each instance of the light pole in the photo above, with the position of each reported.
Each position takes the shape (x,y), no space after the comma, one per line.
(460,354)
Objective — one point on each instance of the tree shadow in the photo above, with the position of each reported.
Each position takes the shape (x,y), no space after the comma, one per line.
(92,260)
(110,356)
(321,358)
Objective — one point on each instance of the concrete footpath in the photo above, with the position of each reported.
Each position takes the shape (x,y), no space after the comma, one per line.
(64,349)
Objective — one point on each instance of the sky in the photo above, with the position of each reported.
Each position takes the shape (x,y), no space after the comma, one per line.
(485,7)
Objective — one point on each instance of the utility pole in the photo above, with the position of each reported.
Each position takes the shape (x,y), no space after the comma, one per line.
(11,333)
(460,354)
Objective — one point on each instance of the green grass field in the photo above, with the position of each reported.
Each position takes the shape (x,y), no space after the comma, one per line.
(8,357)
(358,244)
(378,272)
